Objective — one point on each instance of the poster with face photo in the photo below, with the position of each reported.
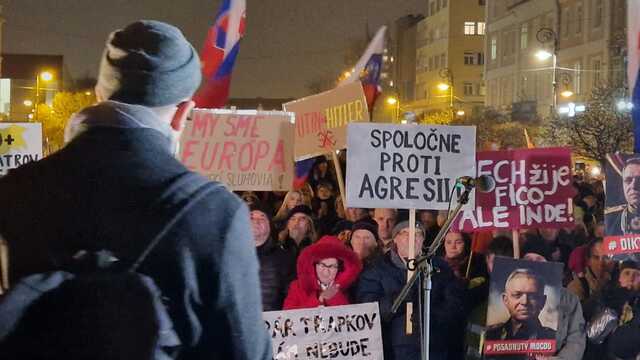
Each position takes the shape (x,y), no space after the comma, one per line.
(622,206)
(522,317)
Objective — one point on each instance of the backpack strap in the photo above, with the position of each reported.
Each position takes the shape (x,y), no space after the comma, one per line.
(187,190)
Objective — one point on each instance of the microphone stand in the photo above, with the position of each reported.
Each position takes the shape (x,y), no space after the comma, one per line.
(423,267)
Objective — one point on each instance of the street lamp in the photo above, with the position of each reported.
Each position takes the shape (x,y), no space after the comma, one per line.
(544,36)
(45,76)
(28,103)
(393,101)
(447,76)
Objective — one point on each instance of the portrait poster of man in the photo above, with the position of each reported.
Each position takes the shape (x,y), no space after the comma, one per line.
(622,206)
(522,317)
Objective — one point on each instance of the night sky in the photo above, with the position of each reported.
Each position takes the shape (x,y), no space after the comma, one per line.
(288,42)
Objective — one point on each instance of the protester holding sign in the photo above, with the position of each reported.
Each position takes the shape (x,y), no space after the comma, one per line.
(524,294)
(382,282)
(326,270)
(570,336)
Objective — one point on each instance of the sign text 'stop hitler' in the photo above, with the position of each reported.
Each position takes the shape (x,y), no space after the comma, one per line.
(321,119)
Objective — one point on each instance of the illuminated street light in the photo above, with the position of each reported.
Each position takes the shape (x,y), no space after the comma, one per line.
(460,112)
(45,76)
(28,103)
(88,93)
(596,171)
(566,93)
(391,100)
(443,87)
(543,55)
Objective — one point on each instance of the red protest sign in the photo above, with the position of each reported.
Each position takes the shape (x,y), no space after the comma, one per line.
(533,188)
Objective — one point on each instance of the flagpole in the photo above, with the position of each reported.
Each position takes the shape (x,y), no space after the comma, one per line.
(336,164)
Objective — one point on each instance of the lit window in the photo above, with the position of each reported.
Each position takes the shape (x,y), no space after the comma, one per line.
(577,79)
(469,28)
(524,36)
(494,48)
(481,28)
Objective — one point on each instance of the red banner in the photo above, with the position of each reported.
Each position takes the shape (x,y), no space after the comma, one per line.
(533,188)
(519,347)
(622,244)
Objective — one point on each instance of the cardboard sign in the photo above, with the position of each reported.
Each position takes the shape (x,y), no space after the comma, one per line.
(541,283)
(334,332)
(244,149)
(321,120)
(20,143)
(407,166)
(622,204)
(534,188)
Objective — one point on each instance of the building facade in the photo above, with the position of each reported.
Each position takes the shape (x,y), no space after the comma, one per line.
(449,59)
(586,36)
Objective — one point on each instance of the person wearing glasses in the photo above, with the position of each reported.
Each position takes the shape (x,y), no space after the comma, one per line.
(326,270)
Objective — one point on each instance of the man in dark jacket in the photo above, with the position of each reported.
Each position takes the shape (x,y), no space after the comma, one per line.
(103,191)
(382,282)
(277,266)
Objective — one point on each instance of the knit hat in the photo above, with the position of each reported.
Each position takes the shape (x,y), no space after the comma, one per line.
(300,209)
(629,264)
(366,225)
(148,63)
(257,206)
(402,225)
(537,246)
(341,226)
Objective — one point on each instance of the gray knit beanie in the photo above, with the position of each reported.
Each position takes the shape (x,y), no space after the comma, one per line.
(403,225)
(148,63)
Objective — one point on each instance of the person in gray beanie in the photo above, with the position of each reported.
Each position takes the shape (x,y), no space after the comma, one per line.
(117,183)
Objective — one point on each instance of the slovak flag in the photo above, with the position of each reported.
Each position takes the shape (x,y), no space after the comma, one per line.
(368,68)
(219,54)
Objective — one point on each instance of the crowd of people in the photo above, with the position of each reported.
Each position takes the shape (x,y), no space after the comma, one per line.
(100,200)
(314,252)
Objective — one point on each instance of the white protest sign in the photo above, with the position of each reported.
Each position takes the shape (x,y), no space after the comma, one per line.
(407,166)
(20,143)
(244,149)
(334,332)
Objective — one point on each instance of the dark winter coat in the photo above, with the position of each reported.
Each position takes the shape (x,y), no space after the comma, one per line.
(101,191)
(383,281)
(305,290)
(277,270)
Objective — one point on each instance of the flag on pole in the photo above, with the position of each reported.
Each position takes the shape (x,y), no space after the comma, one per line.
(302,172)
(368,68)
(219,52)
(633,45)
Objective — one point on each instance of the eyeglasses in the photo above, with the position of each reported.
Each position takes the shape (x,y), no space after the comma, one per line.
(327,267)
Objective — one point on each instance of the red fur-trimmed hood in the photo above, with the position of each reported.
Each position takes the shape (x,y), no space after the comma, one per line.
(328,247)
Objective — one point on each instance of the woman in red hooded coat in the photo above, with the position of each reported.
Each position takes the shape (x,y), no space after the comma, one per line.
(326,270)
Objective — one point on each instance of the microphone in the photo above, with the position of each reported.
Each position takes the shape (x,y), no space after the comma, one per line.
(482,183)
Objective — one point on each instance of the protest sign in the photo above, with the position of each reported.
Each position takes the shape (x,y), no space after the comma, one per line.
(533,188)
(321,120)
(622,204)
(541,283)
(407,166)
(20,143)
(244,149)
(334,332)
